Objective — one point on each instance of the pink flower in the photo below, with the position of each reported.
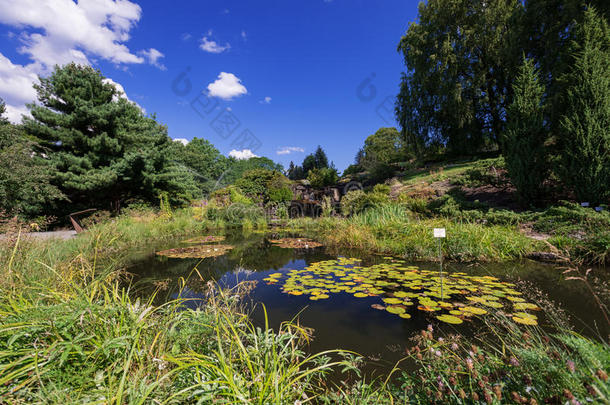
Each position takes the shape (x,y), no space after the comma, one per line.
(571,366)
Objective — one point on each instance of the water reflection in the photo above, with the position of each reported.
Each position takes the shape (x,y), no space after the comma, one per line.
(341,321)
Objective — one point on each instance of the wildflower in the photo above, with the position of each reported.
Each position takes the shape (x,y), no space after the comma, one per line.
(475,396)
(454,346)
(514,362)
(437,353)
(430,328)
(602,375)
(498,392)
(571,366)
(488,397)
(461,393)
(441,340)
(569,396)
(452,380)
(469,363)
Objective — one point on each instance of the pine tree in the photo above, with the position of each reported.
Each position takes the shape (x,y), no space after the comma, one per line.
(585,124)
(102,148)
(525,136)
(320,158)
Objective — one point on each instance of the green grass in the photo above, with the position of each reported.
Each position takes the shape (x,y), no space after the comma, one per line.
(71,331)
(392,229)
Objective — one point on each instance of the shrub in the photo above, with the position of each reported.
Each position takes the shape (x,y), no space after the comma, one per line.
(324,177)
(357,201)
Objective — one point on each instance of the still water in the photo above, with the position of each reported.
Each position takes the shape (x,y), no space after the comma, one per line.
(342,320)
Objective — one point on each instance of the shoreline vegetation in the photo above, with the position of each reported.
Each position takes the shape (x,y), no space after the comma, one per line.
(70,333)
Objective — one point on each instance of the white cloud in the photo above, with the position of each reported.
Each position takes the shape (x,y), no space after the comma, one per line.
(244,36)
(122,93)
(186,36)
(62,31)
(266,100)
(15,114)
(211,46)
(227,86)
(182,141)
(242,154)
(153,56)
(287,150)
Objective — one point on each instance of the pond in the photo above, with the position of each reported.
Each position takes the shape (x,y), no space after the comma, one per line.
(356,301)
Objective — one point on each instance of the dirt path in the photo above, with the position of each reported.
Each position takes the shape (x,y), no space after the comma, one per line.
(48,235)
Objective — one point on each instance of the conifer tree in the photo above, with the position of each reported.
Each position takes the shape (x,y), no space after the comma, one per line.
(524,139)
(102,148)
(585,124)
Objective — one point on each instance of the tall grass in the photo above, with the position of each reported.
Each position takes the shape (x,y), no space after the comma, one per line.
(392,229)
(80,337)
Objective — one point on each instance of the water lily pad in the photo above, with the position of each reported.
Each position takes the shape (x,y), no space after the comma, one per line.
(395,310)
(196,252)
(405,316)
(295,243)
(360,295)
(522,306)
(474,310)
(525,318)
(205,239)
(392,301)
(449,319)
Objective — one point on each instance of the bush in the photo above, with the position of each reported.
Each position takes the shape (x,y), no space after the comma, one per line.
(263,186)
(319,178)
(357,201)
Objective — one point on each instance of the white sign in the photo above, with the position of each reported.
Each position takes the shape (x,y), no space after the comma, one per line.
(439,232)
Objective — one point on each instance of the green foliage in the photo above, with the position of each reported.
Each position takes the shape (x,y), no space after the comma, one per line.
(237,168)
(25,176)
(324,177)
(524,140)
(263,186)
(453,371)
(229,195)
(357,201)
(458,64)
(203,161)
(584,134)
(101,147)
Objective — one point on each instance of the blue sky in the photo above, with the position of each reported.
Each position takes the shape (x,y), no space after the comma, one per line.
(294,74)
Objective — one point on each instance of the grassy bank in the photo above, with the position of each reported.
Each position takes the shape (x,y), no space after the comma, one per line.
(70,332)
(389,229)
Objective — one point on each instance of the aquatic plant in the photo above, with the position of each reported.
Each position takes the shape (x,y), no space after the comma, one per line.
(400,286)
(295,243)
(196,252)
(205,239)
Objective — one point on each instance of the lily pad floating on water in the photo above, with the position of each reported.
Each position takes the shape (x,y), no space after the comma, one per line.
(205,239)
(449,319)
(525,318)
(296,243)
(196,252)
(401,286)
(396,310)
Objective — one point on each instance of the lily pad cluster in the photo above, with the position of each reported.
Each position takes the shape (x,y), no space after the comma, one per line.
(196,252)
(296,243)
(205,240)
(401,287)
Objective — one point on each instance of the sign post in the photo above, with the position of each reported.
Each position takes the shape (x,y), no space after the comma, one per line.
(440,233)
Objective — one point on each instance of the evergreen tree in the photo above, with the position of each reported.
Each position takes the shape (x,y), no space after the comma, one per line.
(321,160)
(585,125)
(102,148)
(524,140)
(309,163)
